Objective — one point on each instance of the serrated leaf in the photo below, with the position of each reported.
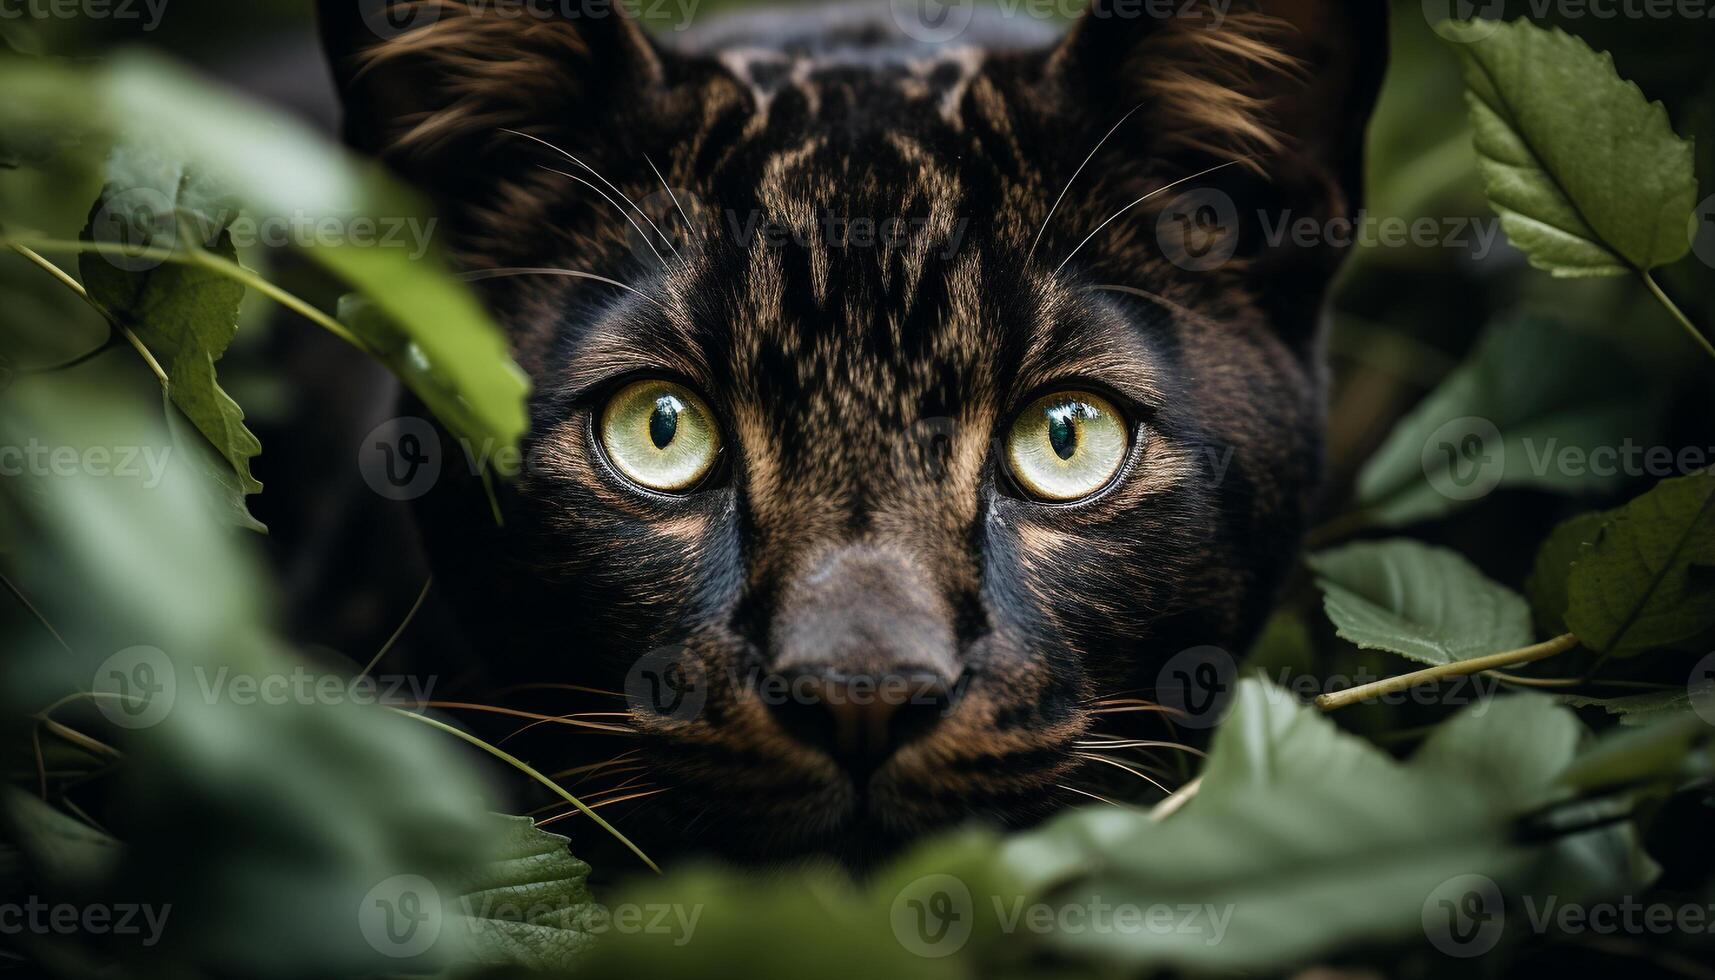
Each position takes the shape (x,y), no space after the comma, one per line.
(1647,581)
(532,907)
(185,315)
(223,486)
(1421,602)
(1491,424)
(1588,176)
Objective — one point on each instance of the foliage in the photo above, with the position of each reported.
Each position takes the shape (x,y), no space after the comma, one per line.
(278,833)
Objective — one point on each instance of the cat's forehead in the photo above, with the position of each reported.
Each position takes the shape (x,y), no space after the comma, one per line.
(848,81)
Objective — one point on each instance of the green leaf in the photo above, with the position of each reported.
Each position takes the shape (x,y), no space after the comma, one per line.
(185,314)
(1491,425)
(393,346)
(1647,581)
(1661,749)
(532,906)
(223,486)
(1638,709)
(1588,176)
(1551,575)
(284,171)
(1422,602)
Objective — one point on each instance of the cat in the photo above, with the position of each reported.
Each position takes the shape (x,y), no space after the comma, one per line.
(909,383)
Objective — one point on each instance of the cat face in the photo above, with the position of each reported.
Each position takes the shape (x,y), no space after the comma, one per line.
(867,455)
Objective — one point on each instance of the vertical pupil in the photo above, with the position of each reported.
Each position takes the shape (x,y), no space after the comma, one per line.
(1063,430)
(664,421)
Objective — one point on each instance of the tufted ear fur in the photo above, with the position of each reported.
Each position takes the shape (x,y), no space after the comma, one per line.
(432,87)
(1281,89)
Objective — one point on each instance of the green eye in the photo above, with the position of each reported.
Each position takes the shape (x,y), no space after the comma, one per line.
(1067,445)
(660,435)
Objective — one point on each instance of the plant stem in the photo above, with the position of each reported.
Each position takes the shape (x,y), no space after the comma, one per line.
(1679,315)
(525,768)
(206,260)
(1458,668)
(106,314)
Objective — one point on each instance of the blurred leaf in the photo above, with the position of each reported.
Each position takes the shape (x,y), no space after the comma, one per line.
(264,825)
(1530,392)
(1302,839)
(407,360)
(283,170)
(1647,580)
(1661,750)
(1588,176)
(1418,601)
(532,905)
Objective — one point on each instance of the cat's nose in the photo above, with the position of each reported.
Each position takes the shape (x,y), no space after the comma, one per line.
(860,720)
(862,653)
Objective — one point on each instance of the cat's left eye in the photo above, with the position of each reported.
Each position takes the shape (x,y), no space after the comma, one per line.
(1067,445)
(660,435)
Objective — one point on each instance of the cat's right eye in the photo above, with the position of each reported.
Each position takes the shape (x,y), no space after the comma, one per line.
(660,435)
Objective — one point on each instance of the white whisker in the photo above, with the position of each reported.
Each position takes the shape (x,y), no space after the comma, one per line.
(626,214)
(1128,207)
(1038,240)
(482,274)
(610,187)
(689,229)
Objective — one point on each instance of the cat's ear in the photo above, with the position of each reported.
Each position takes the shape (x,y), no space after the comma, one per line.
(1277,85)
(1281,90)
(429,85)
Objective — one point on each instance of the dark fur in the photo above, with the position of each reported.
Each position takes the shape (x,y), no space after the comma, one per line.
(839,535)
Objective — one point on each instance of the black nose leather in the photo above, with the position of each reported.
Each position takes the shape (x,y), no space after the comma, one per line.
(859,720)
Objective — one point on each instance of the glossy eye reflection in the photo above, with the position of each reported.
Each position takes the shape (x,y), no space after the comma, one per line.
(660,435)
(1067,445)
